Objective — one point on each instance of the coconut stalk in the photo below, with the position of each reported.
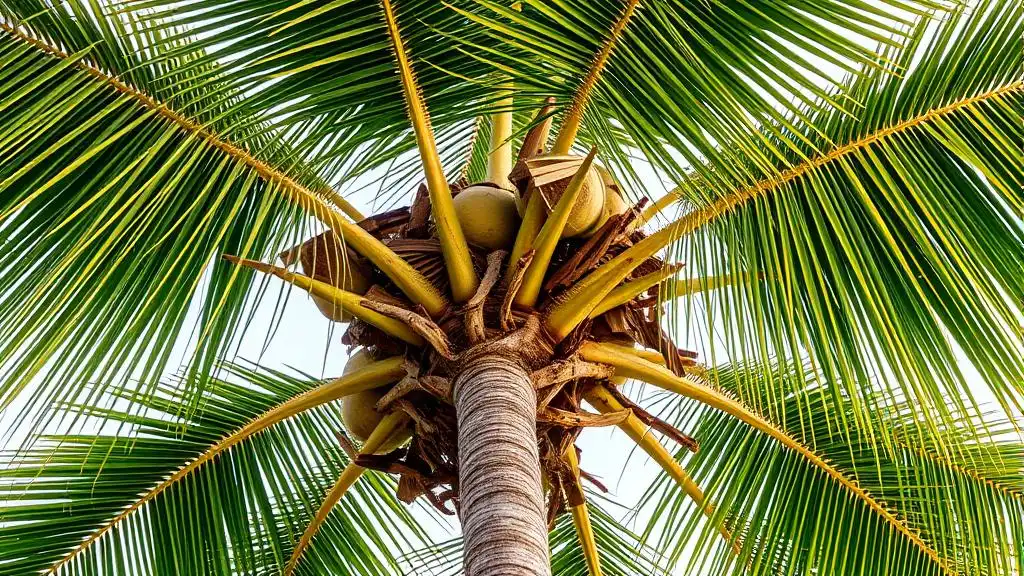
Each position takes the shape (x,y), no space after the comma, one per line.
(550,233)
(393,424)
(581,517)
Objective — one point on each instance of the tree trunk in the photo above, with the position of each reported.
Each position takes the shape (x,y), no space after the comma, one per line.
(501,500)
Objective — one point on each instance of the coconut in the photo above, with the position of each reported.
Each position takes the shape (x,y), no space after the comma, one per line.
(488,216)
(359,411)
(551,174)
(613,202)
(325,258)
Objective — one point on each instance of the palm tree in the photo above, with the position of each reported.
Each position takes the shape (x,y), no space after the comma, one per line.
(848,180)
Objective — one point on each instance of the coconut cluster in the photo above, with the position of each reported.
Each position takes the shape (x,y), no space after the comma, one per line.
(601,225)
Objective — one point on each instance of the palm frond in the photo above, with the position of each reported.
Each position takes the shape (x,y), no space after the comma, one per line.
(72,504)
(898,247)
(322,74)
(109,214)
(792,519)
(629,365)
(683,80)
(115,202)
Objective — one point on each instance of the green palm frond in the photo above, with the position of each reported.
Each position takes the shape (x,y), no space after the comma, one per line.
(622,552)
(115,202)
(324,74)
(965,505)
(897,247)
(682,79)
(86,504)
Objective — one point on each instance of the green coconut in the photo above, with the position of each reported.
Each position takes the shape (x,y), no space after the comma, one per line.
(488,216)
(359,411)
(613,202)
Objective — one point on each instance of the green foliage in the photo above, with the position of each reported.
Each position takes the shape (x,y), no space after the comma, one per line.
(324,75)
(965,504)
(684,79)
(239,513)
(138,144)
(110,214)
(899,249)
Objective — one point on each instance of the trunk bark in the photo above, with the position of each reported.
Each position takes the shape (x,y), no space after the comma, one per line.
(501,500)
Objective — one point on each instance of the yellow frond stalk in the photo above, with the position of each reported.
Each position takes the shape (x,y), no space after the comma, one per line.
(660,204)
(581,519)
(592,290)
(630,290)
(573,118)
(600,398)
(705,284)
(408,279)
(645,353)
(373,375)
(632,366)
(391,424)
(458,261)
(499,159)
(550,233)
(348,301)
(533,220)
(344,205)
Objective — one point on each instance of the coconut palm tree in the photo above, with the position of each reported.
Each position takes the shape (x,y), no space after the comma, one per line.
(845,259)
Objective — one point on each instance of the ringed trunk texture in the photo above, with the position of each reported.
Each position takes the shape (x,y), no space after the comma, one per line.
(501,500)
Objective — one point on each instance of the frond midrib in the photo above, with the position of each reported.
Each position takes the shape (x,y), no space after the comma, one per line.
(574,115)
(703,216)
(374,375)
(709,394)
(851,484)
(325,196)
